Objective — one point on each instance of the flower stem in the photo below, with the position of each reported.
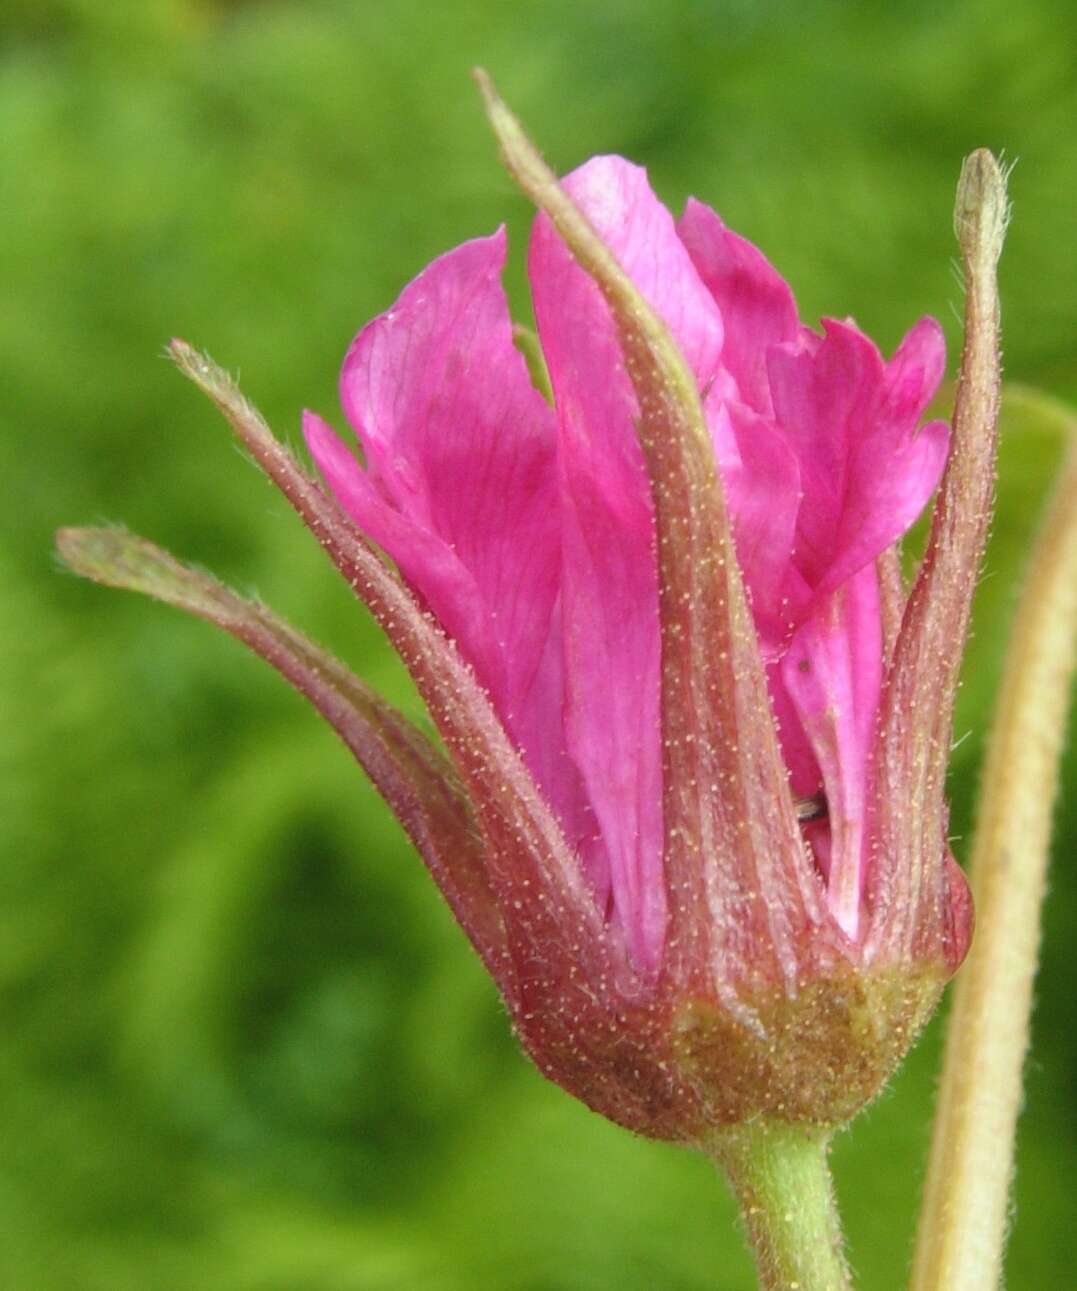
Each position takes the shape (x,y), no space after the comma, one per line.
(964,1218)
(781,1180)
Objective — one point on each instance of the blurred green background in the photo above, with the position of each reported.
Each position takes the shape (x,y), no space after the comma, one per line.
(243,1045)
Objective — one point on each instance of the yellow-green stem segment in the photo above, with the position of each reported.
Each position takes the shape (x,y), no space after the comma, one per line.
(779,1174)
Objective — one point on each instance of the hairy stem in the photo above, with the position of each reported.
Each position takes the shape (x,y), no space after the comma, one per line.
(964,1218)
(779,1174)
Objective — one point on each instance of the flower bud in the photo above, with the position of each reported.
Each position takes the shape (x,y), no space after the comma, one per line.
(691,813)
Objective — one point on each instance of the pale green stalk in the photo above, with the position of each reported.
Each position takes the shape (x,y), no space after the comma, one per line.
(780,1177)
(963,1223)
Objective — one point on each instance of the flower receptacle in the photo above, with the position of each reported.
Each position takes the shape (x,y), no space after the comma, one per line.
(687,1068)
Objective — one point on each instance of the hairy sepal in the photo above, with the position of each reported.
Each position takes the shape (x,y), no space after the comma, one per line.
(411,774)
(560,951)
(910,890)
(741,890)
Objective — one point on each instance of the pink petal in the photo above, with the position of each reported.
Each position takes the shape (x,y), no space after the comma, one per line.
(761,479)
(851,419)
(887,493)
(805,778)
(755,301)
(427,562)
(895,467)
(460,489)
(914,373)
(617,198)
(821,401)
(610,596)
(832,674)
(458,439)
(958,914)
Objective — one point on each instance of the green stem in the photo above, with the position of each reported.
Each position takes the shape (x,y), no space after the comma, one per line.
(779,1174)
(966,1210)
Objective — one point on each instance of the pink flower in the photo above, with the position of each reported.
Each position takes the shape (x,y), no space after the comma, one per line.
(692,813)
(529,532)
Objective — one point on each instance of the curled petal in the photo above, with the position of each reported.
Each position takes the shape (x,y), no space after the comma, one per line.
(866,472)
(460,489)
(914,373)
(755,301)
(896,466)
(885,497)
(823,401)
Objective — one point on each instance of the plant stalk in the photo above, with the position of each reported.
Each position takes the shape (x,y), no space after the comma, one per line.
(963,1223)
(780,1177)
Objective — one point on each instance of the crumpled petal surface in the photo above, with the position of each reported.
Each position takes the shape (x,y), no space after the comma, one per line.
(529,532)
